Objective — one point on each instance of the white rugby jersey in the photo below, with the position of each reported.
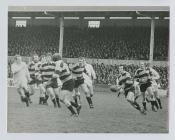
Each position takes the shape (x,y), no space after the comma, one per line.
(153,74)
(20,72)
(90,71)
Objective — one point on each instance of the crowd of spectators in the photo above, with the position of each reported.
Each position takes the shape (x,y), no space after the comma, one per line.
(128,43)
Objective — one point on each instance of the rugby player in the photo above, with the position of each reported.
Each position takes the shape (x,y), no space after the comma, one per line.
(50,82)
(77,70)
(126,85)
(63,72)
(143,77)
(32,67)
(21,78)
(38,75)
(154,75)
(89,77)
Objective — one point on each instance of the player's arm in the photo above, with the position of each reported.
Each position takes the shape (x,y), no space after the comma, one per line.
(16,69)
(120,87)
(136,76)
(85,71)
(27,72)
(37,68)
(93,73)
(128,75)
(58,68)
(155,74)
(29,65)
(117,83)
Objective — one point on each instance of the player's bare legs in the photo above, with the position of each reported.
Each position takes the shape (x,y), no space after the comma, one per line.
(77,96)
(91,90)
(156,94)
(87,93)
(52,95)
(42,94)
(131,99)
(24,97)
(65,98)
(31,90)
(153,100)
(56,92)
(144,101)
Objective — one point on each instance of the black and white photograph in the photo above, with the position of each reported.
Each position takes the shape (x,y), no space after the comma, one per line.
(80,70)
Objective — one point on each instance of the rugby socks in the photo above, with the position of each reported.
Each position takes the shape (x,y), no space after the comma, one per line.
(58,102)
(46,98)
(41,100)
(74,104)
(137,106)
(89,100)
(136,98)
(77,99)
(54,102)
(159,102)
(147,100)
(78,107)
(156,104)
(152,105)
(28,96)
(22,99)
(144,105)
(71,110)
(25,99)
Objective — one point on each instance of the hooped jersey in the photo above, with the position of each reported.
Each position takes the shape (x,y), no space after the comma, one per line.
(62,70)
(90,71)
(125,79)
(47,71)
(77,71)
(142,75)
(33,68)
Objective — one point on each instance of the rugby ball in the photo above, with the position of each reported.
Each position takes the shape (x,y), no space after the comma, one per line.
(114,88)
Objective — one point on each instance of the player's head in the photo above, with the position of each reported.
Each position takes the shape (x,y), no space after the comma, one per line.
(81,61)
(18,58)
(65,60)
(43,58)
(148,65)
(56,57)
(48,57)
(121,69)
(142,65)
(84,60)
(35,58)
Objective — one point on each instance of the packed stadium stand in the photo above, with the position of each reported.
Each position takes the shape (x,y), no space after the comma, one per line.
(125,43)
